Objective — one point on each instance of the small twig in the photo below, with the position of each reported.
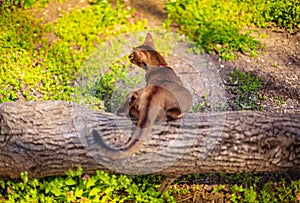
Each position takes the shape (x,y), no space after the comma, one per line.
(183,200)
(195,195)
(230,84)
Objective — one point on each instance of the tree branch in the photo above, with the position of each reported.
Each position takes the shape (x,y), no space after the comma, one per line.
(48,138)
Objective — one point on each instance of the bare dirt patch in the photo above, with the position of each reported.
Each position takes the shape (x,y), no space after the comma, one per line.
(278,65)
(153,10)
(55,9)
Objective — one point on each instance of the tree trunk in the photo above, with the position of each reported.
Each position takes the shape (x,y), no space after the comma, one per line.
(48,138)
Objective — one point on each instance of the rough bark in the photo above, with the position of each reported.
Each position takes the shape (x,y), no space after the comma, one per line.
(48,138)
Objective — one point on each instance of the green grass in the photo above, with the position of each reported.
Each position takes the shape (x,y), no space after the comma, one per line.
(10,5)
(31,68)
(284,14)
(78,186)
(269,192)
(221,26)
(246,89)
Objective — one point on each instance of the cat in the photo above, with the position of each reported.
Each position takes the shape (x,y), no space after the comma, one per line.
(163,98)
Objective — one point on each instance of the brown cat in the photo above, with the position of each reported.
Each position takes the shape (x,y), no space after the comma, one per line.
(164,97)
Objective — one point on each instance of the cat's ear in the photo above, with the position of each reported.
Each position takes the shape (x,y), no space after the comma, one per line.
(149,41)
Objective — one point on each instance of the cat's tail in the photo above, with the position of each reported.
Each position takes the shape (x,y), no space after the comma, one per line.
(150,110)
(132,146)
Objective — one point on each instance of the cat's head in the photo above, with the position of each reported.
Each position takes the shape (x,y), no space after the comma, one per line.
(146,55)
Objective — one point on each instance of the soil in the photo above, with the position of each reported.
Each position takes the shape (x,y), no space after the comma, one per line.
(278,64)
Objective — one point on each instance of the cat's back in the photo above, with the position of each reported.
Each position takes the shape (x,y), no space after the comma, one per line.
(158,75)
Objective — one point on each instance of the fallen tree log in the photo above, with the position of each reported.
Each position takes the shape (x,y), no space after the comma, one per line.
(48,138)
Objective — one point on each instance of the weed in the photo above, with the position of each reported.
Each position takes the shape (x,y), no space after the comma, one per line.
(11,5)
(107,84)
(279,101)
(270,192)
(218,188)
(200,107)
(275,65)
(213,25)
(78,186)
(245,87)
